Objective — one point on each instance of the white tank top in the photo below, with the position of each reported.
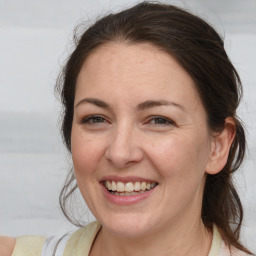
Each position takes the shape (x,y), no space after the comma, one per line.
(55,245)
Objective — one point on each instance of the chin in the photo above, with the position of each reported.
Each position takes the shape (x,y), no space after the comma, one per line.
(127,226)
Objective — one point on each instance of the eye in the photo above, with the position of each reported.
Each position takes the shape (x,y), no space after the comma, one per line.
(93,119)
(160,120)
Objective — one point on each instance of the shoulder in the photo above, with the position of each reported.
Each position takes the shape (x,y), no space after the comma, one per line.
(220,248)
(6,245)
(28,245)
(80,241)
(87,232)
(231,251)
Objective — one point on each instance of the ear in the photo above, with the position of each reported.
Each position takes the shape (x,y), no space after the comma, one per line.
(220,146)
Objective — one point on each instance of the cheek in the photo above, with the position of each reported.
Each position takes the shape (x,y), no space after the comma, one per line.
(86,153)
(164,155)
(180,162)
(179,156)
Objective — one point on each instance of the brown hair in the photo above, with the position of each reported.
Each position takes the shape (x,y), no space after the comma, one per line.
(200,51)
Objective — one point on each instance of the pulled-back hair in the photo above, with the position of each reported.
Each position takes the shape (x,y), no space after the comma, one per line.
(200,51)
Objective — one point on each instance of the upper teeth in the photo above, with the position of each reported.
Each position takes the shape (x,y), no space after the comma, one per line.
(129,186)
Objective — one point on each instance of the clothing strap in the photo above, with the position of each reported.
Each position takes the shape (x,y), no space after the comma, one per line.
(55,246)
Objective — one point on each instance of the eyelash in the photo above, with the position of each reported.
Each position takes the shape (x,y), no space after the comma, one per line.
(167,121)
(98,119)
(92,118)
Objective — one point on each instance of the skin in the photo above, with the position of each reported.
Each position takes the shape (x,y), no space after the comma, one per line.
(176,150)
(6,245)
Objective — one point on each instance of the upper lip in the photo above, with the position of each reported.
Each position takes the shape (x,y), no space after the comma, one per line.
(126,179)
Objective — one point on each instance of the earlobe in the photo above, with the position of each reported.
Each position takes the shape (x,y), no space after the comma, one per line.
(220,146)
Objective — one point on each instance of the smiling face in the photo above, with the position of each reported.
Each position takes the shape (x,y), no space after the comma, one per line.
(140,141)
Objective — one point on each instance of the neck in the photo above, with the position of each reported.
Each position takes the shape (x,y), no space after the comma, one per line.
(179,240)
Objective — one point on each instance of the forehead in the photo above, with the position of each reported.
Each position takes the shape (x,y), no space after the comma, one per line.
(140,69)
(140,59)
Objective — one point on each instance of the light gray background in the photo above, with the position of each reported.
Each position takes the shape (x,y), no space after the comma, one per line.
(35,38)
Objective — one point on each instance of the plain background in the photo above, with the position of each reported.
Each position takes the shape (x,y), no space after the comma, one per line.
(35,39)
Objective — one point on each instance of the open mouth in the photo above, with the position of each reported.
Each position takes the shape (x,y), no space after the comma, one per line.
(129,188)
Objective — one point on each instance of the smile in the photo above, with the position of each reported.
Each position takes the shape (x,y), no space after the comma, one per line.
(129,188)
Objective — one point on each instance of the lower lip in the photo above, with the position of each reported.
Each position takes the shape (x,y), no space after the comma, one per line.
(126,200)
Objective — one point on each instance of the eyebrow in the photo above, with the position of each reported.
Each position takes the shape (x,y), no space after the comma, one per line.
(156,103)
(142,106)
(94,101)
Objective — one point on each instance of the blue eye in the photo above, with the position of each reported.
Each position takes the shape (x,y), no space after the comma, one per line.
(158,120)
(93,120)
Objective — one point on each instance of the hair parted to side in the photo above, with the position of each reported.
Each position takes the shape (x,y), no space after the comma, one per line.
(200,51)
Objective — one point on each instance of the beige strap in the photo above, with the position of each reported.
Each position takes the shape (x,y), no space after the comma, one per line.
(216,242)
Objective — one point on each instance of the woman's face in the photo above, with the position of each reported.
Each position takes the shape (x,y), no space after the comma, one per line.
(140,140)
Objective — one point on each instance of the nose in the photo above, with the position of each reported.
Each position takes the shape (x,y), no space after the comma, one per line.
(124,148)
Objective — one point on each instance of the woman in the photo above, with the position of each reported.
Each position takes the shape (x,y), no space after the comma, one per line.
(150,101)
